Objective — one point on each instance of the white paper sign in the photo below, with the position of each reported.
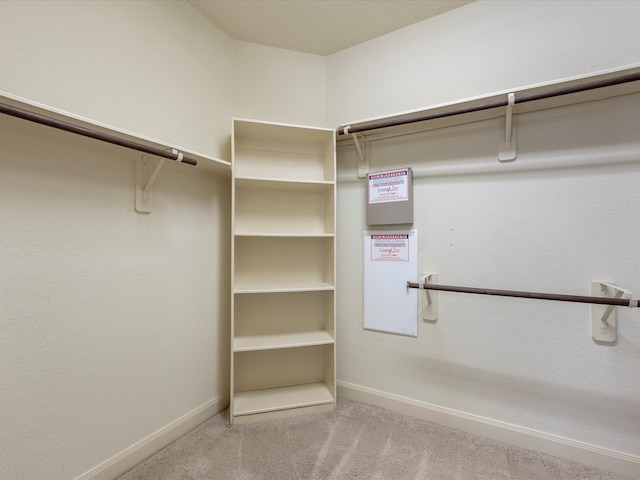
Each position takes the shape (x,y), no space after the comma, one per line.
(386,187)
(390,260)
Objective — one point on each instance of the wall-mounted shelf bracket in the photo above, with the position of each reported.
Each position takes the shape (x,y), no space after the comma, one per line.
(363,155)
(147,171)
(603,317)
(507,141)
(429,298)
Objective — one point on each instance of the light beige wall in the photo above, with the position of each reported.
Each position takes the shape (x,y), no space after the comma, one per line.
(114,323)
(487,46)
(156,68)
(116,332)
(554,220)
(279,85)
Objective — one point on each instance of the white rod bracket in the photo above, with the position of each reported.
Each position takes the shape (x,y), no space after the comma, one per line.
(145,181)
(603,317)
(507,142)
(429,298)
(363,157)
(153,177)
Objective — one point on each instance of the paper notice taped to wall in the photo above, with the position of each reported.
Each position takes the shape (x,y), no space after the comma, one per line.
(390,260)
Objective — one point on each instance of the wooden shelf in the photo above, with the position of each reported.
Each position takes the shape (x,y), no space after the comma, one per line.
(283,184)
(282,398)
(281,340)
(206,163)
(274,287)
(284,234)
(283,260)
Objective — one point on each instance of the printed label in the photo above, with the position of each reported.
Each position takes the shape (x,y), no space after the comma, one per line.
(390,248)
(385,187)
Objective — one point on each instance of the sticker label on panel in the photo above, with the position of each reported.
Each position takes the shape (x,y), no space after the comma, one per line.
(386,187)
(390,248)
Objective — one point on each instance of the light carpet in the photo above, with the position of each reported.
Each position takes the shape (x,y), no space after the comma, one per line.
(357,441)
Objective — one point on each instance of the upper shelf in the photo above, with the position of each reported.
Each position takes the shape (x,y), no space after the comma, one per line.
(262,183)
(204,162)
(283,152)
(541,96)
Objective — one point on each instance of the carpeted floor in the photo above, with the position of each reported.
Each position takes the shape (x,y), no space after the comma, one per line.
(356,441)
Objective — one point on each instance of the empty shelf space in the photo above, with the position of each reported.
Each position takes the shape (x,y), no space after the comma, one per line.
(279,131)
(281,340)
(283,151)
(283,165)
(259,314)
(272,399)
(287,211)
(283,263)
(281,367)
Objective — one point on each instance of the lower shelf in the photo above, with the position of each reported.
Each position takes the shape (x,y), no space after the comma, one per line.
(282,340)
(283,398)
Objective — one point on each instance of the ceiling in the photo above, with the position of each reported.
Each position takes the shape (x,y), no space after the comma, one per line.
(320,27)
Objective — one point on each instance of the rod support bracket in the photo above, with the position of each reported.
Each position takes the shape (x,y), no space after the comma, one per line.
(363,154)
(429,298)
(507,140)
(147,171)
(603,317)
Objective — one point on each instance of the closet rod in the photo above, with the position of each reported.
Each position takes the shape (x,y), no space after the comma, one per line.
(623,302)
(86,132)
(608,82)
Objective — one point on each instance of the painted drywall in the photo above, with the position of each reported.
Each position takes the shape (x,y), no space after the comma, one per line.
(114,323)
(276,85)
(484,47)
(158,69)
(554,220)
(117,324)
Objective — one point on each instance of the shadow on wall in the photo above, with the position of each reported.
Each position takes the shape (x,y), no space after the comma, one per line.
(528,395)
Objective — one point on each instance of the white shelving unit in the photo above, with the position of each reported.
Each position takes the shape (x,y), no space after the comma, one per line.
(283,271)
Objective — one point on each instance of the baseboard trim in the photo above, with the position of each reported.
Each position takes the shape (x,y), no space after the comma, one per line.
(139,451)
(584,453)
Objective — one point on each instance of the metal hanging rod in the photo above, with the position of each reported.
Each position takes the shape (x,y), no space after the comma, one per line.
(622,302)
(609,82)
(87,132)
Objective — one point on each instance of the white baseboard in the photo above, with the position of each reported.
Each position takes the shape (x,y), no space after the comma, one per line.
(584,453)
(136,453)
